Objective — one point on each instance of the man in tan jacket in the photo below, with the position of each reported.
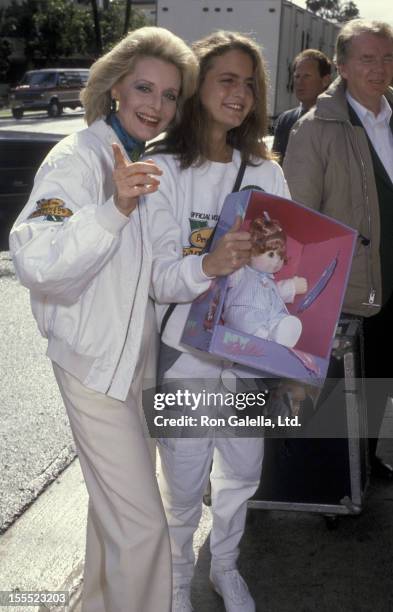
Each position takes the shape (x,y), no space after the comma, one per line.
(339,161)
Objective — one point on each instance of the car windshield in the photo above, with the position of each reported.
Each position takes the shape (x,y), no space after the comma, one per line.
(42,79)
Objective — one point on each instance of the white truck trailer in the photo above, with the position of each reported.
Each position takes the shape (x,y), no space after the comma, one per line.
(279,26)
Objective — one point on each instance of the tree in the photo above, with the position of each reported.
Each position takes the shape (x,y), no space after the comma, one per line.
(50,28)
(55,29)
(97,26)
(334,10)
(349,11)
(17,20)
(60,29)
(5,52)
(127,16)
(113,22)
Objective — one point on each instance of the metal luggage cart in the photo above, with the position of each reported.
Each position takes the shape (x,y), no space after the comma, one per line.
(327,475)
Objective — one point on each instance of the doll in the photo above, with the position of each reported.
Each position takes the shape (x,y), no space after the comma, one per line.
(255,301)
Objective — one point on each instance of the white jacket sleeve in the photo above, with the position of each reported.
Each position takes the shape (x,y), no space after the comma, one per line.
(58,256)
(174,278)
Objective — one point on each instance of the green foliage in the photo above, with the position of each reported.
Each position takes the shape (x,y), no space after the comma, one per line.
(112,22)
(60,29)
(334,10)
(349,11)
(54,29)
(17,20)
(5,52)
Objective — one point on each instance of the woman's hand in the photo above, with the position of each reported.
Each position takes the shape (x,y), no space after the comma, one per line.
(132,179)
(232,252)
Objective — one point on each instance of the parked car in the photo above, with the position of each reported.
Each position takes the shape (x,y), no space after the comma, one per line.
(50,89)
(21,153)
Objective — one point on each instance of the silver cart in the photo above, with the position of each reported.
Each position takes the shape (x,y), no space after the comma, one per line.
(321,473)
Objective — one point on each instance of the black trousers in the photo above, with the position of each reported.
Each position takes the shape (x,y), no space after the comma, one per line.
(378,338)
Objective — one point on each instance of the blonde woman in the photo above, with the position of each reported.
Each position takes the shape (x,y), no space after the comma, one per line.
(81,245)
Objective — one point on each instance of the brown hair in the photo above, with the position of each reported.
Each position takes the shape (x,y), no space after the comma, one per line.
(354,28)
(324,63)
(118,62)
(267,235)
(189,139)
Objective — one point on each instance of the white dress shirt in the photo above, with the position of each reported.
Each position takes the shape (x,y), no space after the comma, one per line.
(378,130)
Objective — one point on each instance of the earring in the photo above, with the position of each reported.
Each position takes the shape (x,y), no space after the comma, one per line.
(114,105)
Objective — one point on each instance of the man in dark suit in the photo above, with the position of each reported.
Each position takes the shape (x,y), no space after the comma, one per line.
(311,76)
(340,161)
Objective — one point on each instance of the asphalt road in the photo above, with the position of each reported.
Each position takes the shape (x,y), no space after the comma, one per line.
(69,122)
(35,439)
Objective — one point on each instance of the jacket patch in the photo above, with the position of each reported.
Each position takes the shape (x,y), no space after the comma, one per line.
(200,233)
(52,210)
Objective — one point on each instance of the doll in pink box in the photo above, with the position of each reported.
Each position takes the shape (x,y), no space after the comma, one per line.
(254,303)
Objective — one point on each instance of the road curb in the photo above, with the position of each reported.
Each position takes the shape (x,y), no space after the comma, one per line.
(39,484)
(44,549)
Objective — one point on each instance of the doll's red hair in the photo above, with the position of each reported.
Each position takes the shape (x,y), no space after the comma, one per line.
(267,235)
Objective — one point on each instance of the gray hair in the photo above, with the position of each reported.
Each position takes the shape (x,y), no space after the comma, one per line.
(354,28)
(148,41)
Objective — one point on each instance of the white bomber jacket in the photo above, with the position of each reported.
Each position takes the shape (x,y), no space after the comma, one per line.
(87,266)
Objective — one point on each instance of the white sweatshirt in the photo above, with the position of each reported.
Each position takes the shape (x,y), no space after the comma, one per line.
(181,214)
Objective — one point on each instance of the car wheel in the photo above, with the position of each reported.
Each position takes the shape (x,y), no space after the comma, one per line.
(17,113)
(55,109)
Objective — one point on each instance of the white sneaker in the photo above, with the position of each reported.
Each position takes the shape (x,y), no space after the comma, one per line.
(232,588)
(181,601)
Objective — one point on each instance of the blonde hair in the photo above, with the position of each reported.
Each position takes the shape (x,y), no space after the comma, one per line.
(354,28)
(148,41)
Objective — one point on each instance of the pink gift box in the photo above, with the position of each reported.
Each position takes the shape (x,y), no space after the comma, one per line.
(318,248)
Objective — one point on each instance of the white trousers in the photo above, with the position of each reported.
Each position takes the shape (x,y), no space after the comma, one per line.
(128,559)
(185,470)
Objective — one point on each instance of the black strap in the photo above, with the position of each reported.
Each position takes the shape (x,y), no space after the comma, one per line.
(236,187)
(239,176)
(166,316)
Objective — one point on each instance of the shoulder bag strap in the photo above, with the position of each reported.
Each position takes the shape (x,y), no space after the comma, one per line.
(236,187)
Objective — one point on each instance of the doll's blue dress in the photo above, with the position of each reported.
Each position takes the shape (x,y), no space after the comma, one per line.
(253,302)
